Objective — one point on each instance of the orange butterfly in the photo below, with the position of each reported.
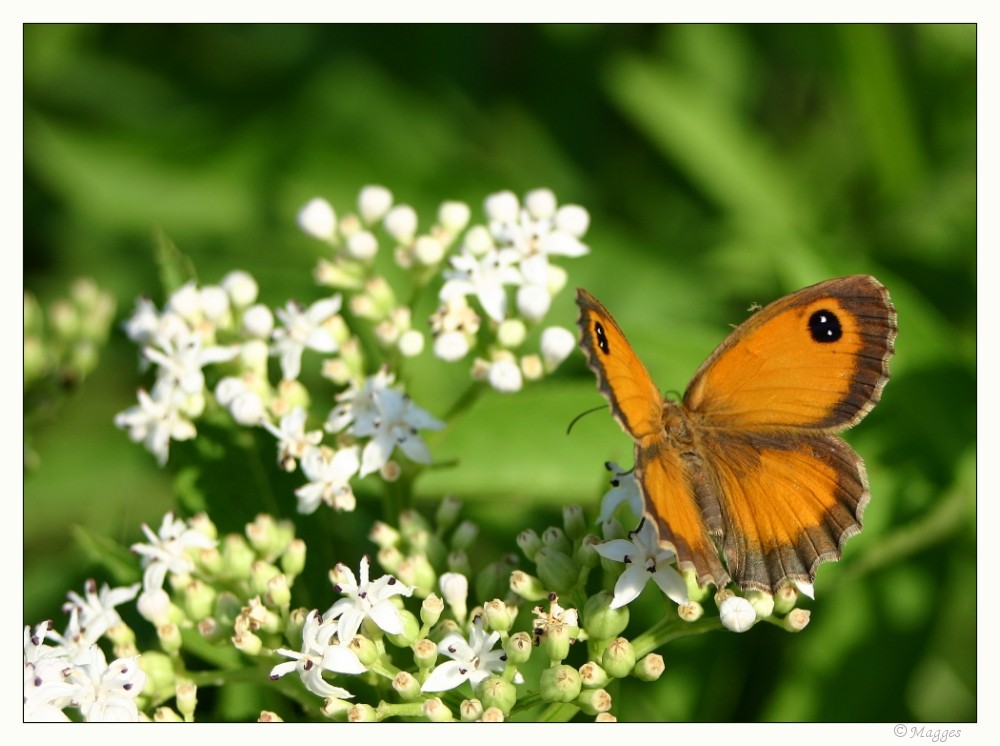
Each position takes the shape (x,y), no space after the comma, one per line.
(749,462)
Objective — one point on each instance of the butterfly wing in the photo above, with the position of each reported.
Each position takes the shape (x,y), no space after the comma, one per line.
(817,359)
(622,378)
(787,504)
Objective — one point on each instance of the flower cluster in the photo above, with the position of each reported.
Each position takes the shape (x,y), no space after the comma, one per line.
(425,627)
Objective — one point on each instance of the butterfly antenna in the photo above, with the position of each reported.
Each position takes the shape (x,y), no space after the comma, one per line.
(579,416)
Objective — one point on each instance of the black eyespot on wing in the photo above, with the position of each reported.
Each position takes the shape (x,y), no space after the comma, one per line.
(602,338)
(824,326)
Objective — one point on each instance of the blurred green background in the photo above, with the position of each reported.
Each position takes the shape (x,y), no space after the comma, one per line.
(721,165)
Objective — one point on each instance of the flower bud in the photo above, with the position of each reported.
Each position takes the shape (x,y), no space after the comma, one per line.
(735,612)
(649,667)
(374,202)
(317,219)
(198,599)
(384,535)
(593,676)
(436,711)
(361,713)
(494,580)
(293,561)
(518,648)
(365,649)
(498,615)
(796,620)
(425,654)
(495,691)
(560,684)
(161,681)
(248,643)
(556,639)
(430,610)
(447,513)
(455,589)
(465,535)
(556,344)
(260,575)
(166,715)
(529,542)
(187,699)
(411,630)
(169,635)
(555,538)
(333,707)
(458,562)
(763,603)
(556,569)
(692,611)
(574,522)
(470,710)
(618,658)
(594,701)
(237,557)
(601,621)
(585,553)
(785,599)
(527,586)
(406,685)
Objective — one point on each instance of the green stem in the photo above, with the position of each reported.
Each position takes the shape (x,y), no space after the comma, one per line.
(671,628)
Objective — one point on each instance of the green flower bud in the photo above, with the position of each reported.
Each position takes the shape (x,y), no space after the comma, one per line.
(293,561)
(494,580)
(237,557)
(248,643)
(260,574)
(361,713)
(365,649)
(560,684)
(411,630)
(574,522)
(332,707)
(278,595)
(210,561)
(390,558)
(585,553)
(465,535)
(425,654)
(529,543)
(170,637)
(431,609)
(198,600)
(267,716)
(601,621)
(492,715)
(384,535)
(187,699)
(166,715)
(407,686)
(444,628)
(263,536)
(649,668)
(618,658)
(411,522)
(527,586)
(160,680)
(470,710)
(458,562)
(593,676)
(499,616)
(430,545)
(796,620)
(447,512)
(495,691)
(436,711)
(556,569)
(518,648)
(594,701)
(691,611)
(555,538)
(64,319)
(555,640)
(418,572)
(785,599)
(227,608)
(763,603)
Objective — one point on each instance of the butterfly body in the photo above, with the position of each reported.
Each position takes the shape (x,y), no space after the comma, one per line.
(746,476)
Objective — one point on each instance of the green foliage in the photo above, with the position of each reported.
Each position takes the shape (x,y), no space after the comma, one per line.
(721,165)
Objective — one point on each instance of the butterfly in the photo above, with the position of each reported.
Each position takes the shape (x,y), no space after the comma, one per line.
(746,476)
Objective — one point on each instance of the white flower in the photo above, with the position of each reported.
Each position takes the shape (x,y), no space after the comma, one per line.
(646,560)
(556,616)
(319,653)
(369,599)
(318,219)
(106,693)
(329,474)
(258,321)
(472,660)
(737,614)
(155,422)
(96,610)
(302,329)
(624,490)
(484,277)
(533,301)
(168,551)
(181,360)
(387,416)
(293,440)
